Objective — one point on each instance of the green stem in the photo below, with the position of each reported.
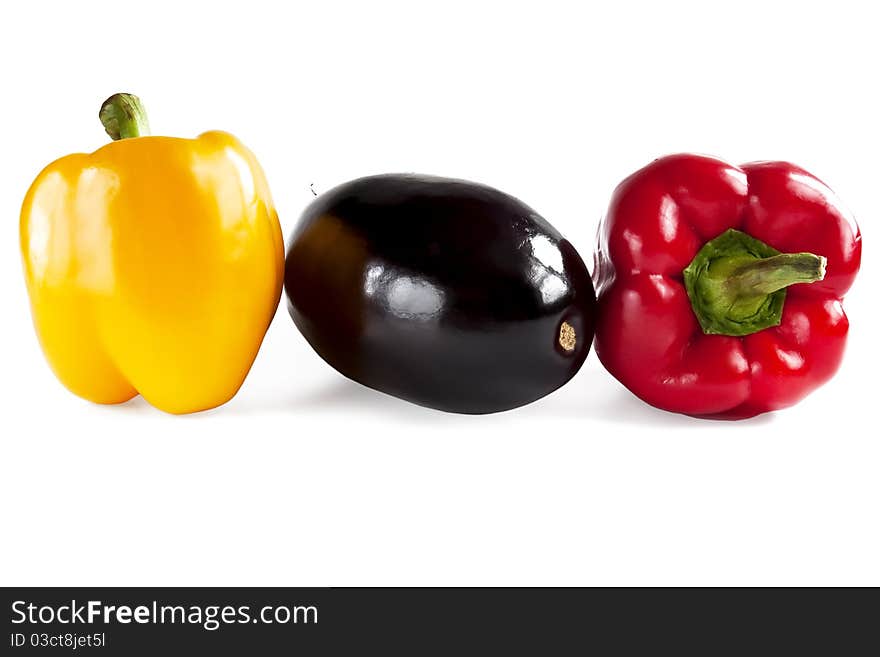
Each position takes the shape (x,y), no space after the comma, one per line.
(767,275)
(123,117)
(737,284)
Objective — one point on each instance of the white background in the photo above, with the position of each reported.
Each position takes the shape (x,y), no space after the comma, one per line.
(306,478)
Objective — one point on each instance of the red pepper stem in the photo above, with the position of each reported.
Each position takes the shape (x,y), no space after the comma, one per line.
(737,284)
(767,275)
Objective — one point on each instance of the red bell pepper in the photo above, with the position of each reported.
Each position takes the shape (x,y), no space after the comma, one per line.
(720,287)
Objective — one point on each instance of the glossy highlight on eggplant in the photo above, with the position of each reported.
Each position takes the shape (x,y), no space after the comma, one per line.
(443,292)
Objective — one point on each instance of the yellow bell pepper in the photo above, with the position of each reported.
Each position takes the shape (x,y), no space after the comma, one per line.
(154,265)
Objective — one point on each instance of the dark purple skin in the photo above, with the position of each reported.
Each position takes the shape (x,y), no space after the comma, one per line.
(443,292)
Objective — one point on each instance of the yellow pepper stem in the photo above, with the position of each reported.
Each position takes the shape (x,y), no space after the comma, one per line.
(123,116)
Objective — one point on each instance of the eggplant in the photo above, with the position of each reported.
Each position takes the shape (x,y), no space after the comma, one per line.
(443,292)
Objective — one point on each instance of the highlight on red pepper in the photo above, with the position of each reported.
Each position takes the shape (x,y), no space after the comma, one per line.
(720,287)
